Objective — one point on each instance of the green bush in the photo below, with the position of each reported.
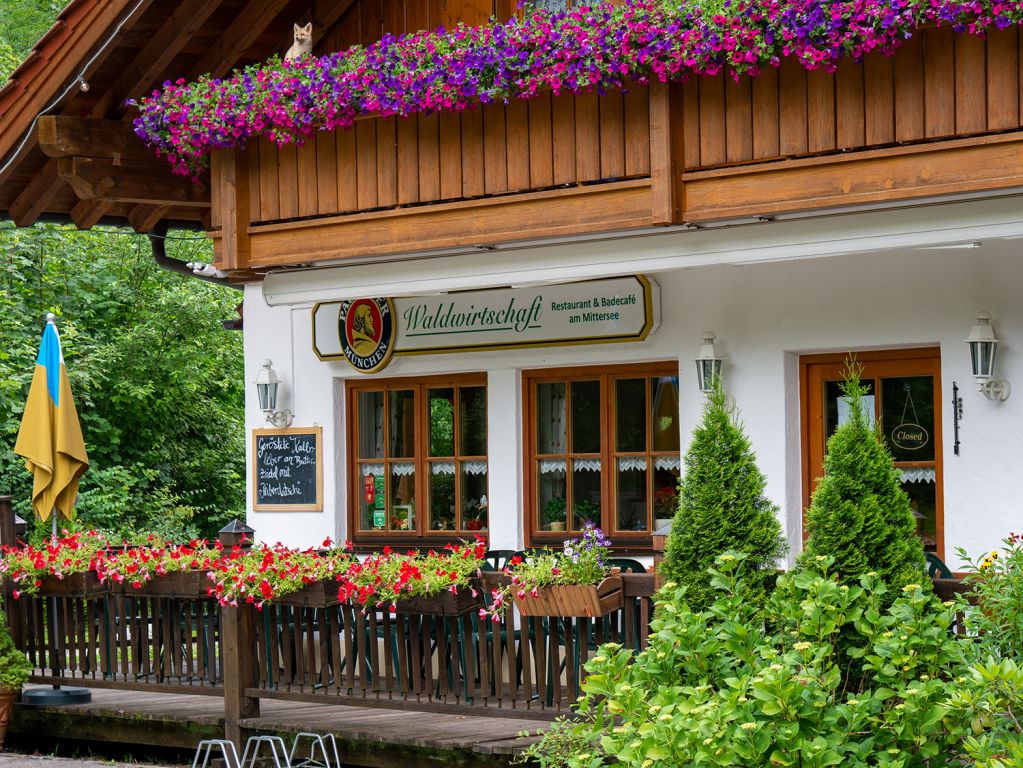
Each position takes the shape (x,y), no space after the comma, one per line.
(14,667)
(720,687)
(859,515)
(722,506)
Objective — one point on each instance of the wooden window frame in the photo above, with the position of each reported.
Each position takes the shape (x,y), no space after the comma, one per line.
(420,385)
(885,363)
(640,541)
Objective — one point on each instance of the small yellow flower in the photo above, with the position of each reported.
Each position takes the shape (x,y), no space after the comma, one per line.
(924,678)
(804,646)
(655,709)
(727,558)
(994,555)
(647,763)
(910,587)
(775,667)
(853,702)
(819,558)
(743,699)
(708,741)
(664,717)
(748,726)
(872,574)
(844,588)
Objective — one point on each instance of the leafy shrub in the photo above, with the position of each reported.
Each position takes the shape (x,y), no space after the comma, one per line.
(859,515)
(14,667)
(995,617)
(721,687)
(721,506)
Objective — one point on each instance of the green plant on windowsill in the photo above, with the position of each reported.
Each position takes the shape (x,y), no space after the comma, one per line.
(554,513)
(586,512)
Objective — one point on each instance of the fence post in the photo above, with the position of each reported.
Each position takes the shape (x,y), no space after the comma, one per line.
(238,623)
(7,531)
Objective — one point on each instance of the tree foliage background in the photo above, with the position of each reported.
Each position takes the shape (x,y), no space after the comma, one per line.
(157,380)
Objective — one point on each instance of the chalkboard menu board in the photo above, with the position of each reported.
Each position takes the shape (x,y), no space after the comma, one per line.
(287,469)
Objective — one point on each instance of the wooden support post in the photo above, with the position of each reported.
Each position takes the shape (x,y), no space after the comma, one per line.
(238,625)
(8,536)
(667,152)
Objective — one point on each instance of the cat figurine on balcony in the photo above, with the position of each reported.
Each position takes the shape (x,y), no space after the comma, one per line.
(303,44)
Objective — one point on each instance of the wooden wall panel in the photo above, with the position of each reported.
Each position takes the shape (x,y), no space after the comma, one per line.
(326,177)
(387,162)
(450,147)
(366,163)
(347,178)
(766,139)
(287,187)
(712,120)
(495,150)
(820,111)
(792,106)
(850,129)
(1003,80)
(738,119)
(408,160)
(879,87)
(637,130)
(939,84)
(587,137)
(307,182)
(269,202)
(563,139)
(517,136)
(909,91)
(541,143)
(971,85)
(612,135)
(472,153)
(429,158)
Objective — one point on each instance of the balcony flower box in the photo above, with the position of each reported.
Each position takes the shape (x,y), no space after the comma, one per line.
(190,585)
(578,600)
(317,594)
(82,584)
(467,599)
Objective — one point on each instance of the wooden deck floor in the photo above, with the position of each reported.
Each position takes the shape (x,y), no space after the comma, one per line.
(366,736)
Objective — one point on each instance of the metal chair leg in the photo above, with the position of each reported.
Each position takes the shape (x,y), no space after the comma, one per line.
(275,742)
(226,747)
(316,740)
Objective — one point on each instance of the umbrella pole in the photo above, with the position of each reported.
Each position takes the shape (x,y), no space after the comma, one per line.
(58,696)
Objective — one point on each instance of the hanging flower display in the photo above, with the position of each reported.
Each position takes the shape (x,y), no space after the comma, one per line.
(60,557)
(599,47)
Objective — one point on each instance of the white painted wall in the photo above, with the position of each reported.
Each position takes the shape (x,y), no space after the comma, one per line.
(765,315)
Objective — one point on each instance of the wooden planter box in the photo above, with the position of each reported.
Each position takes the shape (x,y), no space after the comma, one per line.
(85,584)
(582,600)
(319,594)
(186,584)
(444,604)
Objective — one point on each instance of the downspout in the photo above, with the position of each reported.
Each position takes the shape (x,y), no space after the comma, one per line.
(157,241)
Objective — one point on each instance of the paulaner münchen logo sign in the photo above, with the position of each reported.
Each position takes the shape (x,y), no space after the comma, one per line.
(366,332)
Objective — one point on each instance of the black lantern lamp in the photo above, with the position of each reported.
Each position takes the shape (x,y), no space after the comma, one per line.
(267,385)
(983,346)
(708,363)
(236,534)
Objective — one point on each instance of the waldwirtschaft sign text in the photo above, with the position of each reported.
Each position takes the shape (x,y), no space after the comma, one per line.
(590,312)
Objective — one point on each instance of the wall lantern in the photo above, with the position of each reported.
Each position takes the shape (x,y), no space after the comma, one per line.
(708,364)
(983,345)
(266,388)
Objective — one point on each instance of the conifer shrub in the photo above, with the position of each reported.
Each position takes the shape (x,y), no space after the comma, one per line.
(722,506)
(859,515)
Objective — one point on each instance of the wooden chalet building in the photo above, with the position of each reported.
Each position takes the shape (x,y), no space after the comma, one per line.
(547,270)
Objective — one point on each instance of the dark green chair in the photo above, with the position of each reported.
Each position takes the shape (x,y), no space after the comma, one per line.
(936,568)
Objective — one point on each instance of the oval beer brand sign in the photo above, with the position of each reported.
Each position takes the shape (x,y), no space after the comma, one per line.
(366,330)
(910,437)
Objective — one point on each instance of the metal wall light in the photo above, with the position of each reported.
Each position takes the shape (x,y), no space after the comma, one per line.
(267,385)
(708,363)
(983,346)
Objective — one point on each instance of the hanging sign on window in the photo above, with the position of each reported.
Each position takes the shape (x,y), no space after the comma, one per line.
(614,309)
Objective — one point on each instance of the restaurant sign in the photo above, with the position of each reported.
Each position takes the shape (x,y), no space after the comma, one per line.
(366,332)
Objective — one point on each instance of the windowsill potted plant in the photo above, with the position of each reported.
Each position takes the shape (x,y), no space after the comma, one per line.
(554,513)
(575,581)
(665,506)
(476,514)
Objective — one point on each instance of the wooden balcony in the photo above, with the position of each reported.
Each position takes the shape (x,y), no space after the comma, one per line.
(942,116)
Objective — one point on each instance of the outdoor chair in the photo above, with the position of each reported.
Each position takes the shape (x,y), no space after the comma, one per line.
(936,568)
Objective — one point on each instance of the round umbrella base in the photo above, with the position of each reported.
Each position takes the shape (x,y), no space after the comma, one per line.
(55,697)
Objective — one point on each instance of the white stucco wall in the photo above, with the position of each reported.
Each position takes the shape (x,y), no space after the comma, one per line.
(765,315)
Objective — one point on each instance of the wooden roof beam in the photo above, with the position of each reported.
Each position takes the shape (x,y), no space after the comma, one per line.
(137,182)
(87,213)
(243,32)
(150,63)
(144,218)
(36,195)
(63,136)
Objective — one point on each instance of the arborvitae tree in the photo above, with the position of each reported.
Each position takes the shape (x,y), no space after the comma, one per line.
(859,514)
(721,507)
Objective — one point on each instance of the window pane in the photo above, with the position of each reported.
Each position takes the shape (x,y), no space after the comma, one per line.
(473,414)
(551,494)
(919,484)
(632,493)
(550,417)
(402,423)
(630,414)
(837,410)
(442,422)
(666,474)
(371,425)
(585,417)
(475,505)
(664,424)
(907,405)
(403,496)
(442,496)
(585,493)
(373,506)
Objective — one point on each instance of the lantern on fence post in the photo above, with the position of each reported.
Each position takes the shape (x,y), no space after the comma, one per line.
(236,534)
